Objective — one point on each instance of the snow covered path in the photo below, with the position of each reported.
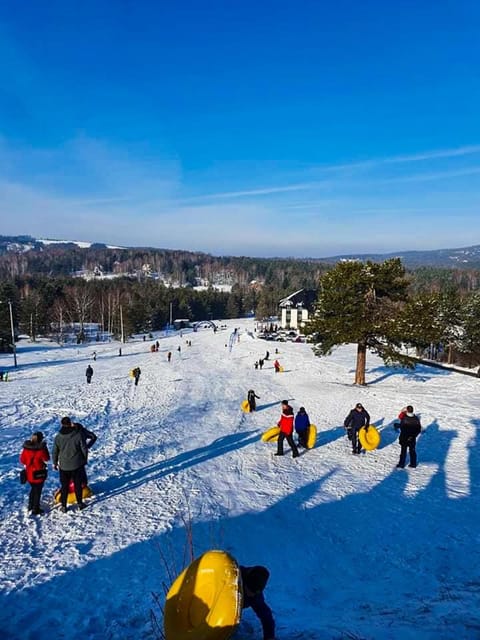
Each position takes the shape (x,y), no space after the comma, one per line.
(356,548)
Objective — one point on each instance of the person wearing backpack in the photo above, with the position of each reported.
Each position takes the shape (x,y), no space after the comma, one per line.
(34,456)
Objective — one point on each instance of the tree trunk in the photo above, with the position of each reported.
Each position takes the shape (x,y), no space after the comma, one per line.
(450,354)
(361,363)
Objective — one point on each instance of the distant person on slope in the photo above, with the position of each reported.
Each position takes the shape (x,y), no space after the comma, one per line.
(34,455)
(136,375)
(254,581)
(356,419)
(302,425)
(410,428)
(89,374)
(286,430)
(276,365)
(251,395)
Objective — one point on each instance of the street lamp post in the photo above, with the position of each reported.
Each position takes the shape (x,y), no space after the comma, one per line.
(14,347)
(9,302)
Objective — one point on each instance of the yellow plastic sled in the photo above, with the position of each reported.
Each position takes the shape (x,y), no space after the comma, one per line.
(205,601)
(245,406)
(271,435)
(369,439)
(281,369)
(71,498)
(312,436)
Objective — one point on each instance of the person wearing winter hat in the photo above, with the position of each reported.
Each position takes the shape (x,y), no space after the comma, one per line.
(356,419)
(302,425)
(410,428)
(34,455)
(254,581)
(70,454)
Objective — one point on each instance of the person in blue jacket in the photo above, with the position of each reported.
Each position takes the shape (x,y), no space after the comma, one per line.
(356,419)
(302,425)
(254,581)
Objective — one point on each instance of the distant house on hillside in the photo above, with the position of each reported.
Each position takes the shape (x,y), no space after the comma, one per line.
(181,323)
(295,308)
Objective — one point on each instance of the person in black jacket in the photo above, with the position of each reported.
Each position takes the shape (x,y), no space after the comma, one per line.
(89,374)
(356,419)
(251,395)
(410,428)
(254,581)
(136,375)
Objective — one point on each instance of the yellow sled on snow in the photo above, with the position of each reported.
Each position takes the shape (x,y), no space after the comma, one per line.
(369,439)
(271,435)
(71,498)
(312,436)
(245,406)
(205,601)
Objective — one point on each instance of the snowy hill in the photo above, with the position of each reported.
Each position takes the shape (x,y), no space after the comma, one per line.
(356,548)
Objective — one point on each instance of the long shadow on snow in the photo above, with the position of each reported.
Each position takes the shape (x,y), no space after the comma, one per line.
(421,373)
(116,485)
(417,576)
(276,403)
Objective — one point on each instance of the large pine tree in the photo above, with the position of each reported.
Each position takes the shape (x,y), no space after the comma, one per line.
(359,303)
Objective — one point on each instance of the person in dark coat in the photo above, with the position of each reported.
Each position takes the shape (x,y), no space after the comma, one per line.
(254,581)
(302,426)
(70,455)
(260,364)
(356,419)
(286,430)
(89,374)
(136,375)
(251,395)
(34,455)
(410,428)
(267,355)
(169,356)
(90,438)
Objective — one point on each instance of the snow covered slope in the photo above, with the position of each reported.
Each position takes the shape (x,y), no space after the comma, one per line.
(356,548)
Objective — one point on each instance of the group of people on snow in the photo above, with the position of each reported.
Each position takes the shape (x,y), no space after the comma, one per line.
(408,424)
(69,457)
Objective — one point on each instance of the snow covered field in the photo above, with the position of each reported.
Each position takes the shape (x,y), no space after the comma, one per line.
(356,548)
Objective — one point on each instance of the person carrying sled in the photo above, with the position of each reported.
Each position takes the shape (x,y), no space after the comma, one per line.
(356,419)
(136,375)
(34,455)
(254,581)
(251,395)
(70,456)
(410,428)
(89,374)
(286,430)
(302,426)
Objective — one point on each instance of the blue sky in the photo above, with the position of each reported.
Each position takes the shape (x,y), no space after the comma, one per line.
(260,128)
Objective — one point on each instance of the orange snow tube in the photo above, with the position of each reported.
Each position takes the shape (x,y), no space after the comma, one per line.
(205,601)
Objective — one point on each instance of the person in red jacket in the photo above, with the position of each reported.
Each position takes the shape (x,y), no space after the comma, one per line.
(286,430)
(34,455)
